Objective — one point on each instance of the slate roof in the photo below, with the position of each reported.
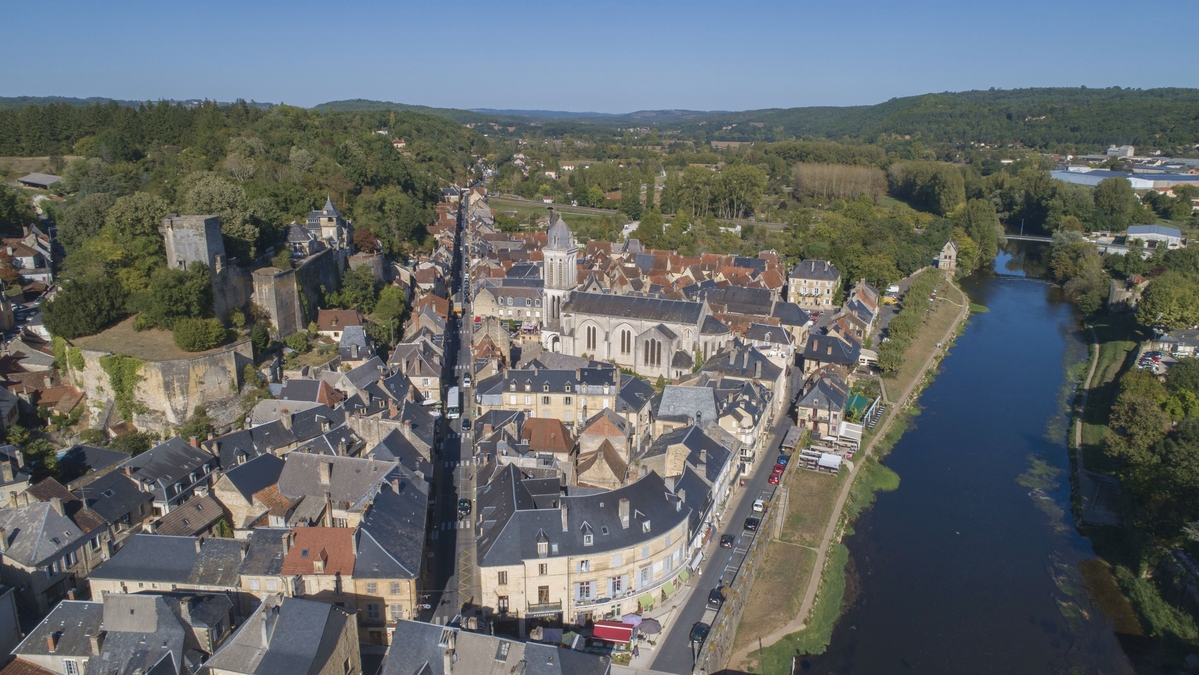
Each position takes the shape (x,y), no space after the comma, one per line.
(48,489)
(790,314)
(234,449)
(166,463)
(391,538)
(158,558)
(301,639)
(80,460)
(37,533)
(264,556)
(831,349)
(191,518)
(418,649)
(351,337)
(679,403)
(558,236)
(765,333)
(395,448)
(113,496)
(352,480)
(825,392)
(255,475)
(713,326)
(513,523)
(633,307)
(820,270)
(698,445)
(742,362)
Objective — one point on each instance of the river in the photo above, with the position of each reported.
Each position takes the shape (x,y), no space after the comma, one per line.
(973,564)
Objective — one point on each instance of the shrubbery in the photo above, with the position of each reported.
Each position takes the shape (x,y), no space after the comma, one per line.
(905,325)
(197,335)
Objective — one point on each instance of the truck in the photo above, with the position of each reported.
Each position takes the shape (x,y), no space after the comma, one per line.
(453,403)
(458,305)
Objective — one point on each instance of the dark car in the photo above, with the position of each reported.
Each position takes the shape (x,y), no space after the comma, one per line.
(752,524)
(464,506)
(699,632)
(466,424)
(727,541)
(716,598)
(782,460)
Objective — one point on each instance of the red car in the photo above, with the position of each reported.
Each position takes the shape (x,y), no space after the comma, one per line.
(774,478)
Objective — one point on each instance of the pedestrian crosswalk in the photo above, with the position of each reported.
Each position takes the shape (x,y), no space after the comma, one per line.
(455,525)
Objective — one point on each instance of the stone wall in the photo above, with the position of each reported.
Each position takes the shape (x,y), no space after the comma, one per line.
(374,261)
(316,275)
(169,391)
(232,287)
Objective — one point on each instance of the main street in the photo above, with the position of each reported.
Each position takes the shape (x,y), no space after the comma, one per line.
(675,652)
(450,570)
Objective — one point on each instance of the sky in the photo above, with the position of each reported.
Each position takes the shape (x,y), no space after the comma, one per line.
(595,56)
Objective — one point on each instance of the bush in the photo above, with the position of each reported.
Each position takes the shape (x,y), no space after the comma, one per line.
(260,337)
(92,436)
(298,342)
(84,308)
(197,335)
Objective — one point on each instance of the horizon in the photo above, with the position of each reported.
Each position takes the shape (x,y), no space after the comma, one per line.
(608,59)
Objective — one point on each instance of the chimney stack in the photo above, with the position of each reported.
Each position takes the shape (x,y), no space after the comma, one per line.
(185,609)
(623,510)
(97,641)
(408,430)
(6,471)
(758,370)
(199,544)
(565,516)
(56,502)
(52,642)
(285,418)
(193,441)
(286,543)
(326,471)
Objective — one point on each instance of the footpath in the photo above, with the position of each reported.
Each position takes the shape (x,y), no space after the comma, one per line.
(831,531)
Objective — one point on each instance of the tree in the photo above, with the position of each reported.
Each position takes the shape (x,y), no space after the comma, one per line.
(388,315)
(649,231)
(237,317)
(15,211)
(1171,302)
(9,273)
(630,201)
(282,258)
(198,426)
(649,195)
(133,442)
(979,220)
(137,215)
(1184,376)
(297,342)
(260,337)
(84,219)
(1114,200)
(84,307)
(365,241)
(175,294)
(197,335)
(241,220)
(359,290)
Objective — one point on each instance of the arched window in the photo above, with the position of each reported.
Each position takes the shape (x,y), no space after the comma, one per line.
(591,337)
(626,341)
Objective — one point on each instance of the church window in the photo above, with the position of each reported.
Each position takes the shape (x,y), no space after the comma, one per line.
(591,341)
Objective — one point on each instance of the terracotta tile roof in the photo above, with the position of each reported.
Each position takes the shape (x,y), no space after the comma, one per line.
(547,435)
(440,305)
(23,667)
(332,545)
(337,319)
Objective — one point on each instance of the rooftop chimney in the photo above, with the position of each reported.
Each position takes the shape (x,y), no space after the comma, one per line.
(565,519)
(285,418)
(623,510)
(199,544)
(193,441)
(758,370)
(52,642)
(408,430)
(286,543)
(56,502)
(326,471)
(97,641)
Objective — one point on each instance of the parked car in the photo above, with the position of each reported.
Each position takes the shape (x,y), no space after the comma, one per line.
(774,478)
(699,632)
(752,524)
(716,598)
(464,506)
(466,381)
(760,505)
(727,541)
(782,460)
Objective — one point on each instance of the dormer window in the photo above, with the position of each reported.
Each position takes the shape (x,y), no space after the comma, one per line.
(545,387)
(645,526)
(588,539)
(605,389)
(528,387)
(543,548)
(512,387)
(568,388)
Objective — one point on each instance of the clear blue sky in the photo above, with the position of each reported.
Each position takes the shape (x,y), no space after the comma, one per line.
(594,56)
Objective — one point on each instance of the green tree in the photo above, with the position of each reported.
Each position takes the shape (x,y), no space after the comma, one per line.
(1115,200)
(260,337)
(137,215)
(649,231)
(15,211)
(197,335)
(1171,301)
(630,201)
(198,426)
(84,219)
(175,294)
(297,342)
(84,307)
(387,319)
(133,442)
(359,290)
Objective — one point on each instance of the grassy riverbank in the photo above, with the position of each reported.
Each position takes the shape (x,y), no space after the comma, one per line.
(939,328)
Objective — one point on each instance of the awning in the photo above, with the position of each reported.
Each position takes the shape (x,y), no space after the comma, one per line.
(668,588)
(612,631)
(699,555)
(684,576)
(646,600)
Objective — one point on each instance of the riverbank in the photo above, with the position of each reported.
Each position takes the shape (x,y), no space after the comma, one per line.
(809,630)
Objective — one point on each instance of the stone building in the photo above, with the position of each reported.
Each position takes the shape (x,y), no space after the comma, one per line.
(560,271)
(948,258)
(275,291)
(814,284)
(190,239)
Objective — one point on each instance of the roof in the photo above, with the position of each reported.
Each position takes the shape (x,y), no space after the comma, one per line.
(80,460)
(39,179)
(391,537)
(605,423)
(826,391)
(336,320)
(634,307)
(351,480)
(394,447)
(424,646)
(316,391)
(558,236)
(285,636)
(513,523)
(38,533)
(1162,230)
(168,559)
(191,518)
(831,349)
(681,403)
(333,546)
(820,270)
(547,435)
(166,463)
(49,489)
(23,667)
(113,496)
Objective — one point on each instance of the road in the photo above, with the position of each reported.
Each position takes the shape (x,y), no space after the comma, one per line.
(451,579)
(675,653)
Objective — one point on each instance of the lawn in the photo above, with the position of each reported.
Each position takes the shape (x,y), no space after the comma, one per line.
(784,567)
(810,499)
(147,345)
(24,165)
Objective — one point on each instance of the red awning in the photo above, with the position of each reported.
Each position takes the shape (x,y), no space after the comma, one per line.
(612,631)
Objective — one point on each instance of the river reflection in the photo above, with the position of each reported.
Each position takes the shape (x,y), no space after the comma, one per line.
(973,565)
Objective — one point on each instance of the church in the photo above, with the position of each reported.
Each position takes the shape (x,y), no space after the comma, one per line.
(652,336)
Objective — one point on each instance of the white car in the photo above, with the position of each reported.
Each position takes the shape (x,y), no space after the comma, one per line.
(759,506)
(466,381)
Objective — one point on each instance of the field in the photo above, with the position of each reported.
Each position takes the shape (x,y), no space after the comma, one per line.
(1118,335)
(147,345)
(23,165)
(810,499)
(936,324)
(777,591)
